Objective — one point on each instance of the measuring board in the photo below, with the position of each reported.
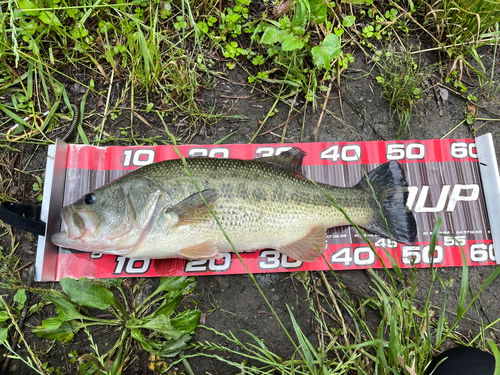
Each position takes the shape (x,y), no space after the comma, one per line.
(454,179)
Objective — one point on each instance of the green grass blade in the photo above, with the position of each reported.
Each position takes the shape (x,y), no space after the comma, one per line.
(440,325)
(305,345)
(393,340)
(464,285)
(81,132)
(496,354)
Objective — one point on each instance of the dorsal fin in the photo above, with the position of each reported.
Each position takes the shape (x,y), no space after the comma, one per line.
(290,160)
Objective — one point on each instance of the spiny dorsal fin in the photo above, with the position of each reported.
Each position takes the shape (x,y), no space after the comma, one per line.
(290,160)
(192,209)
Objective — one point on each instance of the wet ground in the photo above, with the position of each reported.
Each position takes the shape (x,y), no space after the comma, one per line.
(356,111)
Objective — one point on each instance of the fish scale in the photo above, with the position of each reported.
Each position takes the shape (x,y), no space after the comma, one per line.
(263,203)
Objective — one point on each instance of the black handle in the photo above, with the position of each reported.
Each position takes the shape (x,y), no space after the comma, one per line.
(23,216)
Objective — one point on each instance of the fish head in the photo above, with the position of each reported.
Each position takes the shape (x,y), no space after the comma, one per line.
(112,219)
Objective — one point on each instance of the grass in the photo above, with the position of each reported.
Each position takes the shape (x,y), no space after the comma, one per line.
(165,52)
(401,77)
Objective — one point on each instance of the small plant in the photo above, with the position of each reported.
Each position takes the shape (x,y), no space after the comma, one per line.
(400,78)
(37,187)
(151,323)
(456,81)
(114,115)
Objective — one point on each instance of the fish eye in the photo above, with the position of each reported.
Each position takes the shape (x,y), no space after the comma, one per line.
(90,198)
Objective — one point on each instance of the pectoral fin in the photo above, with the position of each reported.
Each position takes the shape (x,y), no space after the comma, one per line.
(130,208)
(205,250)
(306,248)
(193,209)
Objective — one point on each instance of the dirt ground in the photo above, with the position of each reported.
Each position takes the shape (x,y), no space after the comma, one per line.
(356,111)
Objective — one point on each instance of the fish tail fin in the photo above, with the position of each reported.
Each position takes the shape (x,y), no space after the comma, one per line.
(388,190)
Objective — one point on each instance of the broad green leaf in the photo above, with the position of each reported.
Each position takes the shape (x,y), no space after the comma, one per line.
(299,17)
(137,335)
(292,42)
(169,307)
(49,18)
(85,293)
(285,23)
(72,12)
(331,44)
(51,324)
(271,35)
(177,283)
(202,27)
(27,4)
(20,298)
(4,316)
(321,58)
(64,333)
(318,11)
(160,324)
(66,310)
(348,21)
(187,321)
(328,50)
(166,349)
(4,333)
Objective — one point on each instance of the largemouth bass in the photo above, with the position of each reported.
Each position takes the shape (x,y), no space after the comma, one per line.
(158,212)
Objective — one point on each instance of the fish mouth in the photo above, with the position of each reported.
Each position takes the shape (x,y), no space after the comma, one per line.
(77,226)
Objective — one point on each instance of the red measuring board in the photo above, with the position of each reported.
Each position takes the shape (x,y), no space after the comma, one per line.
(443,178)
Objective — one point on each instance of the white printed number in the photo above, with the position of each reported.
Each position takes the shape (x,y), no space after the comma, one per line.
(360,256)
(217,152)
(480,252)
(346,153)
(272,259)
(266,151)
(138,157)
(457,241)
(131,266)
(386,243)
(213,265)
(461,150)
(400,151)
(414,255)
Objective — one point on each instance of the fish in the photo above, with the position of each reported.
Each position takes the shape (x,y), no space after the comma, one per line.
(160,211)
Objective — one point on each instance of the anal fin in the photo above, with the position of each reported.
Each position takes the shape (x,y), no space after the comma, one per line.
(306,248)
(204,250)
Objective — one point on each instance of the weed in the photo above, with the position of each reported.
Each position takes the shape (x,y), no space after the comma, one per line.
(37,187)
(400,77)
(149,323)
(464,24)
